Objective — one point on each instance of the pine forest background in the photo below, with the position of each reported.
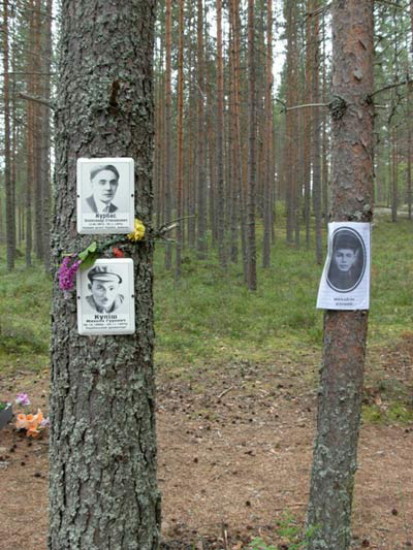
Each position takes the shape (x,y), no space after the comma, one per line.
(242,135)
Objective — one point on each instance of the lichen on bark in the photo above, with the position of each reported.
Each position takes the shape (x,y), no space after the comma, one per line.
(103,492)
(345,332)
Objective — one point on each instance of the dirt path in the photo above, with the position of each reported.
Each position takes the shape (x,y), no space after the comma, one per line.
(234,456)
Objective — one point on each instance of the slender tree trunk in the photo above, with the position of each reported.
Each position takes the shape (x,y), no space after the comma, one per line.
(268,144)
(8,183)
(308,119)
(45,137)
(394,177)
(202,244)
(409,147)
(236,157)
(290,124)
(220,143)
(325,138)
(36,127)
(252,128)
(103,493)
(180,143)
(342,370)
(316,161)
(168,127)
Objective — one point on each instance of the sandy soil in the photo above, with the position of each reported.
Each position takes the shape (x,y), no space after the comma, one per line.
(234,456)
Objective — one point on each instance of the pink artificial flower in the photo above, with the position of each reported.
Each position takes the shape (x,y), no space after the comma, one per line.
(22,399)
(67,272)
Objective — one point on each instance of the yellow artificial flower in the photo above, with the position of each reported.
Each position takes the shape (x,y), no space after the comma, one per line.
(138,232)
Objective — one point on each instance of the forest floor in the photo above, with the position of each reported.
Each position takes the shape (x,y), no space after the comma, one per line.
(235,449)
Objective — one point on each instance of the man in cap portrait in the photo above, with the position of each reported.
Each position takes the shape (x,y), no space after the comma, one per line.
(347,261)
(104,181)
(104,285)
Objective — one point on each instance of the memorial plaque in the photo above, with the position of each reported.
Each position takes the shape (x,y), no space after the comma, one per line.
(105,297)
(105,195)
(345,282)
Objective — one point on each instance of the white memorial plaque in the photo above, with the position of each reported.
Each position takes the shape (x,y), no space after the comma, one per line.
(105,296)
(345,282)
(105,195)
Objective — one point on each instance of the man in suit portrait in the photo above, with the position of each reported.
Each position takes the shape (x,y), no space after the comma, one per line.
(104,180)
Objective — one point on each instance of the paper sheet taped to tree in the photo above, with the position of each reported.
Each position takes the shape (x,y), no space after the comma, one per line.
(345,282)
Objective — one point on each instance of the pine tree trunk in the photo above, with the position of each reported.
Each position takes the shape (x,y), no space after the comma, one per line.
(316,161)
(34,87)
(268,144)
(394,177)
(290,147)
(180,144)
(342,370)
(251,198)
(201,175)
(235,129)
(308,119)
(103,493)
(222,254)
(409,149)
(8,183)
(168,127)
(45,137)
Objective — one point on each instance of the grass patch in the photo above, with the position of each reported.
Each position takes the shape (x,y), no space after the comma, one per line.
(393,412)
(208,319)
(208,314)
(25,296)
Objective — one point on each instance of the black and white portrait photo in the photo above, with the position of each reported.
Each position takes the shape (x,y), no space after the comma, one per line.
(105,295)
(348,260)
(105,195)
(104,285)
(104,182)
(345,282)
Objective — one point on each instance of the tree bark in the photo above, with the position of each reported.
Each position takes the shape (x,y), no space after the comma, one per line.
(316,147)
(335,454)
(251,198)
(103,493)
(290,148)
(201,174)
(8,183)
(45,137)
(269,140)
(222,253)
(180,144)
(168,126)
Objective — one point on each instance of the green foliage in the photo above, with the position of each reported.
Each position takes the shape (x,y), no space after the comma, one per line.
(209,314)
(292,534)
(392,271)
(208,317)
(24,317)
(393,412)
(259,544)
(88,256)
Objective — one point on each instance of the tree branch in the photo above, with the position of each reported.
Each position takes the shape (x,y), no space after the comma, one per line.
(37,99)
(307,105)
(391,86)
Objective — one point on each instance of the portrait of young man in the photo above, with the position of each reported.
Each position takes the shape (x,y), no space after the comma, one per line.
(105,195)
(347,262)
(104,182)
